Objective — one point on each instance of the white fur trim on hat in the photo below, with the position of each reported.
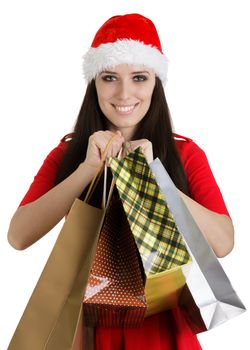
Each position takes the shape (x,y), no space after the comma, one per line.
(124,52)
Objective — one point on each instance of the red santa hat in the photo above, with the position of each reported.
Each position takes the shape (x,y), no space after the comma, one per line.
(126,39)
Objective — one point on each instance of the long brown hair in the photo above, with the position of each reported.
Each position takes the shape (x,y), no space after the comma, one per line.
(156,126)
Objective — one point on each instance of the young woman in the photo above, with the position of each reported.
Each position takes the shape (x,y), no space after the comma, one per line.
(125,69)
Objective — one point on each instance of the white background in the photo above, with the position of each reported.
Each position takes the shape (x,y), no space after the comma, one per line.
(41,90)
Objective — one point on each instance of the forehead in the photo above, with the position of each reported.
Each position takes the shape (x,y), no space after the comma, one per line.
(128,69)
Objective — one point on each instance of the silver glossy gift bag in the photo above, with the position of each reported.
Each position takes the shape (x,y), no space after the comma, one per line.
(208,298)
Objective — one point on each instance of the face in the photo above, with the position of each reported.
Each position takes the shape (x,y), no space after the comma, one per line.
(124,95)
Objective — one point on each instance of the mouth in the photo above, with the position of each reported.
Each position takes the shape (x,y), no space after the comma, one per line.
(125,109)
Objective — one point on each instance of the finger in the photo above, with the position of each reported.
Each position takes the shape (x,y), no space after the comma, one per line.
(100,140)
(146,147)
(116,147)
(106,141)
(124,153)
(144,144)
(130,146)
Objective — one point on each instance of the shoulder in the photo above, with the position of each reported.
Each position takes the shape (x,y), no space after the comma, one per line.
(65,141)
(44,180)
(182,142)
(203,187)
(180,138)
(67,138)
(58,152)
(55,156)
(187,148)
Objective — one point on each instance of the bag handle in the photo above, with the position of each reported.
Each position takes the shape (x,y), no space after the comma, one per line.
(96,178)
(105,203)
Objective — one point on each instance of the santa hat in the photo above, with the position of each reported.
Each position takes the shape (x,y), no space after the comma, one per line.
(130,39)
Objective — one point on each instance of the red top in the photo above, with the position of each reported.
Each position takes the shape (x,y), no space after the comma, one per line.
(167,330)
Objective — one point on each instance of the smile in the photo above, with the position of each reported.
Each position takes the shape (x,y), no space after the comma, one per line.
(125,109)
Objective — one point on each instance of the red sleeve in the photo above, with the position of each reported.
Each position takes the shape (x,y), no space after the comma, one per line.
(45,178)
(202,184)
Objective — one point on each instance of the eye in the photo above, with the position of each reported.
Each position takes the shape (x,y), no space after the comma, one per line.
(140,78)
(108,78)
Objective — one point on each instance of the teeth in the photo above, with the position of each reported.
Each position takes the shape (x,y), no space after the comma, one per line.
(125,108)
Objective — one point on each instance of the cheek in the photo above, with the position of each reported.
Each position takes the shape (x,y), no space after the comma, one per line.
(102,100)
(146,98)
(103,93)
(104,97)
(145,94)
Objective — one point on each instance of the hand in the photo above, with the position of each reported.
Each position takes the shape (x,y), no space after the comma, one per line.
(97,144)
(146,146)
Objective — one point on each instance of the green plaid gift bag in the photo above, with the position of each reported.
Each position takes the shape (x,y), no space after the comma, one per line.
(164,255)
(159,242)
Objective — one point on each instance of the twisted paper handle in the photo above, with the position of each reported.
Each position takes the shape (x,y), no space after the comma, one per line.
(96,178)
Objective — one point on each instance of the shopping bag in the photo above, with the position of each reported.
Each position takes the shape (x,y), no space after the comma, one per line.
(53,313)
(208,298)
(114,295)
(163,252)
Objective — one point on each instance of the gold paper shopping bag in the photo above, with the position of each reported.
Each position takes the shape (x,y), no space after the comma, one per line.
(51,317)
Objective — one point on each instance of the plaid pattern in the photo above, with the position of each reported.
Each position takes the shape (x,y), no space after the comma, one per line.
(159,242)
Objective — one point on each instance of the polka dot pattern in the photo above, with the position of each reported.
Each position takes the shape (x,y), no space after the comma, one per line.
(115,291)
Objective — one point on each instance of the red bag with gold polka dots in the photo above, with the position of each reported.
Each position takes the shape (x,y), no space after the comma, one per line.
(115,292)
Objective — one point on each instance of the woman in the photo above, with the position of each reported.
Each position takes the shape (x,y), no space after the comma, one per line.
(125,69)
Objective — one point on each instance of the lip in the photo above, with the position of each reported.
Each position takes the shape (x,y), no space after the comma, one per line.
(125,109)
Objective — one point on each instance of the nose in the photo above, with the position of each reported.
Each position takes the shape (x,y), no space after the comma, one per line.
(124,90)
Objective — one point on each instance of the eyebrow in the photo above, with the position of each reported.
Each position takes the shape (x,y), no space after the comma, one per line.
(139,72)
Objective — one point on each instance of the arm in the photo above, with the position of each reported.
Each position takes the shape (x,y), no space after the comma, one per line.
(33,220)
(205,201)
(45,205)
(217,228)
